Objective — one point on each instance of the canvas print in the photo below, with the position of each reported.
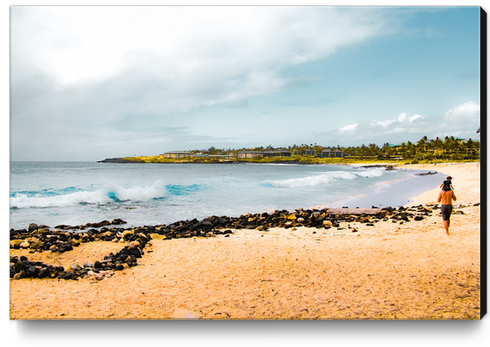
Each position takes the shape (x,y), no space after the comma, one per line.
(245,163)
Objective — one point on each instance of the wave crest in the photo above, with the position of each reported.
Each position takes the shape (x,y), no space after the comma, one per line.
(72,196)
(325,178)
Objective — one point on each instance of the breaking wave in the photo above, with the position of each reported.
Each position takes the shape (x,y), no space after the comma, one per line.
(325,178)
(72,196)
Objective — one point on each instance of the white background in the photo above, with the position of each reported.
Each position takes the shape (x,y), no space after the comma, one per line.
(213,333)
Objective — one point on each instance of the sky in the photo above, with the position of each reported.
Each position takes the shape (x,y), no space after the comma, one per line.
(88,83)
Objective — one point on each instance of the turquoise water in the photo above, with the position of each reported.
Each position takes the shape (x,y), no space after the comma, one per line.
(75,193)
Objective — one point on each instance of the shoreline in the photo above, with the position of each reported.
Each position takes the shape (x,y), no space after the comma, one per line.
(466,184)
(344,272)
(19,222)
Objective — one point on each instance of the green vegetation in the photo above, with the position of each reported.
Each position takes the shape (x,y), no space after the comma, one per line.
(424,151)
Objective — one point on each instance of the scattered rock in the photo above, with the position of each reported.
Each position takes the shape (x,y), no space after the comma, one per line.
(37,244)
(15,243)
(61,240)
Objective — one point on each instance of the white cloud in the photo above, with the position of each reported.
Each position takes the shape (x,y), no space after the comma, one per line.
(190,56)
(120,69)
(461,120)
(403,118)
(414,117)
(467,112)
(384,123)
(349,128)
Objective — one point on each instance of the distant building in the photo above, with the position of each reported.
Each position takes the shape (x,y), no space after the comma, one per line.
(249,154)
(213,156)
(178,154)
(310,152)
(268,154)
(265,154)
(328,153)
(337,153)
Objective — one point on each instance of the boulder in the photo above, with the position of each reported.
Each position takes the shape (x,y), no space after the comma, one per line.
(158,237)
(76,267)
(32,271)
(15,243)
(127,233)
(118,221)
(42,231)
(43,273)
(74,243)
(19,266)
(133,244)
(32,227)
(37,244)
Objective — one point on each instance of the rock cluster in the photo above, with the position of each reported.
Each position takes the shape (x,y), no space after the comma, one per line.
(315,218)
(116,221)
(387,167)
(42,239)
(426,173)
(39,238)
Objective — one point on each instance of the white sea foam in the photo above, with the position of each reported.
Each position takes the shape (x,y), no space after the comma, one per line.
(325,178)
(62,193)
(38,200)
(156,190)
(100,196)
(371,173)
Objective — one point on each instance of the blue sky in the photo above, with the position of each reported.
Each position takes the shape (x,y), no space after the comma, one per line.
(94,82)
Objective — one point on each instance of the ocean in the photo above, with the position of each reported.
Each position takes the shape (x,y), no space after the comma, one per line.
(75,193)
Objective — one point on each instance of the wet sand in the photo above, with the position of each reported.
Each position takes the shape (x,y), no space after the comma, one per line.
(387,271)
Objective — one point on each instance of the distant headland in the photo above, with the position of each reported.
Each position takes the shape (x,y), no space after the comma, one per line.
(424,151)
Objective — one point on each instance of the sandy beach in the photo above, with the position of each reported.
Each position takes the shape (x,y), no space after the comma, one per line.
(407,270)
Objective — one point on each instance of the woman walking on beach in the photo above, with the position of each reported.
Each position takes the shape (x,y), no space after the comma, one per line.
(447,198)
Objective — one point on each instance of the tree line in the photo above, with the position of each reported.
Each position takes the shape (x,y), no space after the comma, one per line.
(449,148)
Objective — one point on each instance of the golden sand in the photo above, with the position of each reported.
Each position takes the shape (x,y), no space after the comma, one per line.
(389,271)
